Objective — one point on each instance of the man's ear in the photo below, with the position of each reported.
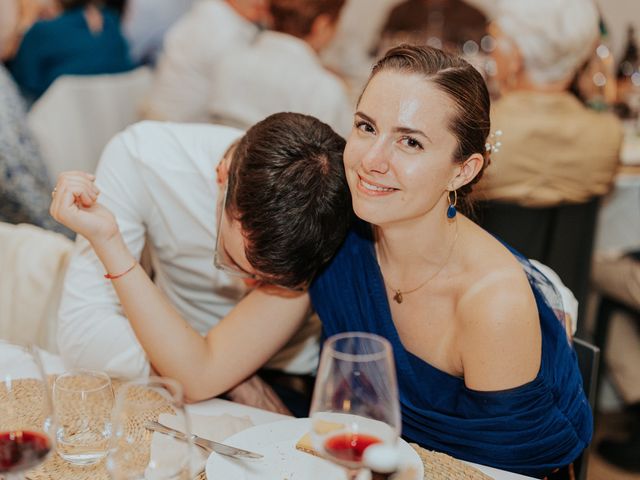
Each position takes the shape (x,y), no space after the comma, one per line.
(467,171)
(222,172)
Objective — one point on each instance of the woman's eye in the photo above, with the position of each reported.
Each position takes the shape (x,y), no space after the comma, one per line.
(412,143)
(365,126)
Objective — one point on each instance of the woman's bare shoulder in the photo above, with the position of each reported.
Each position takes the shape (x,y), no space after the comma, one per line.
(488,264)
(498,325)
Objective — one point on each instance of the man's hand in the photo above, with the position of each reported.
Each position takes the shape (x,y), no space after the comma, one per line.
(254,392)
(75,205)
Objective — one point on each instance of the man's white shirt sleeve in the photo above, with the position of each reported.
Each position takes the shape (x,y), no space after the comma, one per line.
(93,331)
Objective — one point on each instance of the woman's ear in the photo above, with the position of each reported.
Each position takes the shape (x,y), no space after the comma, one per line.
(467,171)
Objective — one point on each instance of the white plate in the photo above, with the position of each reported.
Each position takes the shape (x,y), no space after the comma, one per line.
(277,442)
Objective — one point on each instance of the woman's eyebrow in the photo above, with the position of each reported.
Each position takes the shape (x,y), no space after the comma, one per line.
(405,130)
(412,131)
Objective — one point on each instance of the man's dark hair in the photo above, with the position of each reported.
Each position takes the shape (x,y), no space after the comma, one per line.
(296,17)
(287,188)
(69,4)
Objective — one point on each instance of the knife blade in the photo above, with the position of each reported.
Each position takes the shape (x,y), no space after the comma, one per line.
(205,443)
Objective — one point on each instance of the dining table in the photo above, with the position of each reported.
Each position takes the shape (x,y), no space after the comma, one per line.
(216,407)
(618,224)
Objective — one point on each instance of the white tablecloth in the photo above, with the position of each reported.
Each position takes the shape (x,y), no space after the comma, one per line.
(618,227)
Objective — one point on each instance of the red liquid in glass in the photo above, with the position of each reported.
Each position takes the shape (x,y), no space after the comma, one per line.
(22,450)
(349,447)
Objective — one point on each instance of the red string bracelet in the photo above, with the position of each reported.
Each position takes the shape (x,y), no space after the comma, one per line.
(118,275)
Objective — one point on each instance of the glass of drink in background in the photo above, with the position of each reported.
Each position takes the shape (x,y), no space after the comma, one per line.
(83,401)
(26,413)
(131,455)
(355,401)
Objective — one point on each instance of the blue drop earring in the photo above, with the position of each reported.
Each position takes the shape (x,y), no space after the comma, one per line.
(451,209)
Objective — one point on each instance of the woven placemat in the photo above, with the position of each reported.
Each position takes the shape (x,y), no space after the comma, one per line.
(439,466)
(55,468)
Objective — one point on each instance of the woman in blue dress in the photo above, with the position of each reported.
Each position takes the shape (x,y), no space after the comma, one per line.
(485,370)
(84,39)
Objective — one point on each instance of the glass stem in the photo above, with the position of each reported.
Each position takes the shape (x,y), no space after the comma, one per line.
(13,476)
(352,473)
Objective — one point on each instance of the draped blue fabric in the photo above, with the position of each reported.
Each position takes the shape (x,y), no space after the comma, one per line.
(531,429)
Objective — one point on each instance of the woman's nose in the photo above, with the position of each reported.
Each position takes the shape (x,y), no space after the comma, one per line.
(376,158)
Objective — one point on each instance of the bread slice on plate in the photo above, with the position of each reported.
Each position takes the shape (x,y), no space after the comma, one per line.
(322,428)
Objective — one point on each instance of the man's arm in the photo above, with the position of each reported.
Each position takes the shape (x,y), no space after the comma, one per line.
(92,329)
(257,328)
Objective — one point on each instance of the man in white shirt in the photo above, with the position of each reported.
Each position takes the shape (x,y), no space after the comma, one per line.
(192,49)
(145,23)
(281,71)
(159,181)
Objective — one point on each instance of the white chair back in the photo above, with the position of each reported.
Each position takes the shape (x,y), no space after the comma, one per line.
(33,263)
(78,115)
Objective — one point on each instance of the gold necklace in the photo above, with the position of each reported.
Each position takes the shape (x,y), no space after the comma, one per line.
(398,295)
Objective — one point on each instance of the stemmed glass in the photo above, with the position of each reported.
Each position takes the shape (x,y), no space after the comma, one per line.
(355,402)
(137,403)
(26,418)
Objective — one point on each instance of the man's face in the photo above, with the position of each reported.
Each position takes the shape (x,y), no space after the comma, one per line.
(231,243)
(229,254)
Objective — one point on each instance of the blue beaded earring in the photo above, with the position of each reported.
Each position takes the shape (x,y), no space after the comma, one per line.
(451,209)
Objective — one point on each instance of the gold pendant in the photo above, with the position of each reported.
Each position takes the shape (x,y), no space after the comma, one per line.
(398,296)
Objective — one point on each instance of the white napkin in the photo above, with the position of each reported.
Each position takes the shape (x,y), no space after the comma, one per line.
(215,428)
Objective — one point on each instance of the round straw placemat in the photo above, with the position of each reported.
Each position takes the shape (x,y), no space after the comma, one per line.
(55,468)
(439,466)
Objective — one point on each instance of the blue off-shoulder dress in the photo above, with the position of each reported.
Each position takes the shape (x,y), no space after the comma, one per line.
(531,429)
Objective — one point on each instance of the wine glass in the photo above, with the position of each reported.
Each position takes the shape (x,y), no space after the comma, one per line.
(355,401)
(132,454)
(26,418)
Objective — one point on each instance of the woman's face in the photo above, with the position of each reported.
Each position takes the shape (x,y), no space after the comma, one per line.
(399,156)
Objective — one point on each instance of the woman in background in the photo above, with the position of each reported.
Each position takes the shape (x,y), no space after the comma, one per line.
(16,17)
(83,40)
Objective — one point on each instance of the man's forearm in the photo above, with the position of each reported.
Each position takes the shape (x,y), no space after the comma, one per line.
(174,348)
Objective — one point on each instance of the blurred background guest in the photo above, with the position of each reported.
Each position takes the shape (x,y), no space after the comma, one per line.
(281,71)
(350,53)
(447,24)
(554,149)
(145,23)
(16,17)
(193,48)
(618,277)
(83,40)
(24,184)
